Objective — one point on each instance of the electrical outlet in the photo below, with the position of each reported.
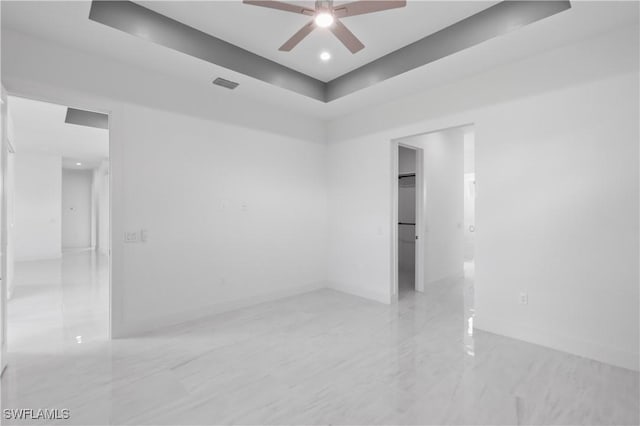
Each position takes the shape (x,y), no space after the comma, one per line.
(524,298)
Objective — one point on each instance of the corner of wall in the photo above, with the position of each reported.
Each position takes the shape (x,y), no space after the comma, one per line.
(360,292)
(140,327)
(563,343)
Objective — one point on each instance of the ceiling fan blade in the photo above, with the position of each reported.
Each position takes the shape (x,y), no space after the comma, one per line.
(367,6)
(347,38)
(287,7)
(297,37)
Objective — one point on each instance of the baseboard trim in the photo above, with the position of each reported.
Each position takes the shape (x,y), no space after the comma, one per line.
(563,343)
(453,276)
(154,324)
(360,292)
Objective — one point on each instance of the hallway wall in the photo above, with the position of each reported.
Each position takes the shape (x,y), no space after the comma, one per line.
(101,208)
(37,207)
(76,208)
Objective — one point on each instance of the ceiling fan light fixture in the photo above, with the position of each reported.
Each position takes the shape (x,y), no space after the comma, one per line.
(324,19)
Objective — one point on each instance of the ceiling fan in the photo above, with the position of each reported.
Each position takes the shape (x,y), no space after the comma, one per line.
(326,15)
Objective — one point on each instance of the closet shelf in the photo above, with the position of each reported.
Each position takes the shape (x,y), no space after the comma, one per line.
(406,175)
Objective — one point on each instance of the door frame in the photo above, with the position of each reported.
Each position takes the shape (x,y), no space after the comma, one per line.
(3,219)
(421,203)
(4,152)
(420,217)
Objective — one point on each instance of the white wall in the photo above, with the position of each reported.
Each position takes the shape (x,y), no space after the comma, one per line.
(76,208)
(557,194)
(469,195)
(37,208)
(235,212)
(9,188)
(231,214)
(100,212)
(443,154)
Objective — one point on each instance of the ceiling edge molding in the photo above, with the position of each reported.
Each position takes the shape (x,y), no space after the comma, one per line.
(492,22)
(149,25)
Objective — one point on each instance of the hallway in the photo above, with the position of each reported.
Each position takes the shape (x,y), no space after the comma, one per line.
(59,303)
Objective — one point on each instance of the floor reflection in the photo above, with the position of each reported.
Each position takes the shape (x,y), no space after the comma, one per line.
(60,302)
(321,358)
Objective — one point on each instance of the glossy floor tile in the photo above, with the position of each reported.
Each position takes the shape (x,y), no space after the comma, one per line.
(324,358)
(60,302)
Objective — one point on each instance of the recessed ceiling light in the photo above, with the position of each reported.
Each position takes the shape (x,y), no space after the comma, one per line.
(325,56)
(78,164)
(324,19)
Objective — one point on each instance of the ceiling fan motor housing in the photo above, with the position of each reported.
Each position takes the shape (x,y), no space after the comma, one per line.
(324,6)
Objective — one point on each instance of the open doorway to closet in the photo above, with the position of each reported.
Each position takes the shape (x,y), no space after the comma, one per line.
(58,214)
(434,206)
(408,237)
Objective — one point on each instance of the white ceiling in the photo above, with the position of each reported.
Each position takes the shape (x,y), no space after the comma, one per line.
(39,127)
(67,24)
(263,31)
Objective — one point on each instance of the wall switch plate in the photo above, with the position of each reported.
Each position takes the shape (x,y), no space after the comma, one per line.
(524,299)
(144,234)
(131,237)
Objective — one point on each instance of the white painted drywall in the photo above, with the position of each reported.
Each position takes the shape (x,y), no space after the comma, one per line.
(37,208)
(557,194)
(469,195)
(100,208)
(9,188)
(406,160)
(76,208)
(231,192)
(101,198)
(231,213)
(444,203)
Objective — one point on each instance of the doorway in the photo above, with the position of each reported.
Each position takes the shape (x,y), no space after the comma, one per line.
(434,208)
(58,226)
(407,214)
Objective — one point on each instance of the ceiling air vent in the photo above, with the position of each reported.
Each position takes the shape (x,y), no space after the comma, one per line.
(87,118)
(225,83)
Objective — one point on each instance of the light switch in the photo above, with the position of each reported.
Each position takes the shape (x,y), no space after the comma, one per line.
(131,237)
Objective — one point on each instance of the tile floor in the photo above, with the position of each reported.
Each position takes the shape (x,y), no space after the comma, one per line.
(319,358)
